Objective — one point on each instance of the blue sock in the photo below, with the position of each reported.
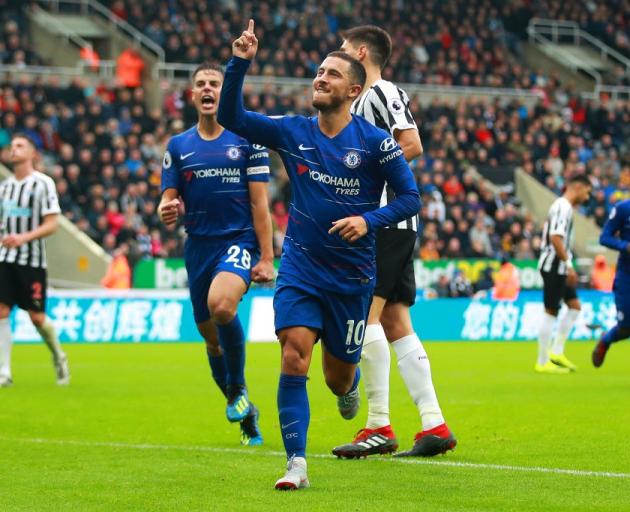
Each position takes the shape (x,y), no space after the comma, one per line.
(294,414)
(615,334)
(219,371)
(232,341)
(357,378)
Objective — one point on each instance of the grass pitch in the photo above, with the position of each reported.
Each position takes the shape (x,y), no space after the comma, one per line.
(142,427)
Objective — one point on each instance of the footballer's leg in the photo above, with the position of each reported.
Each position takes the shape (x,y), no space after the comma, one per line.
(250,432)
(298,318)
(344,324)
(342,379)
(6,342)
(377,437)
(556,354)
(553,292)
(619,332)
(216,361)
(375,365)
(225,293)
(415,369)
(293,407)
(47,331)
(34,301)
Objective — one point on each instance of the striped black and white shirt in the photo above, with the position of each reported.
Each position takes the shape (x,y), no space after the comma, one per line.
(23,206)
(386,106)
(559,222)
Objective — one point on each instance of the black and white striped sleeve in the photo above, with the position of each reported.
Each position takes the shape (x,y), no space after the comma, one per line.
(560,218)
(48,197)
(388,107)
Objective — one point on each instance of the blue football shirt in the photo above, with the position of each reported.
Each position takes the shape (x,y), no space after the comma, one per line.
(212,177)
(616,234)
(331,178)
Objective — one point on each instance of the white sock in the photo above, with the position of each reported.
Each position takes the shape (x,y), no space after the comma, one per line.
(5,348)
(375,361)
(49,335)
(415,370)
(544,337)
(564,328)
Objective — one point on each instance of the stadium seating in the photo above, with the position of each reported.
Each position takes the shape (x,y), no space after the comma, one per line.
(104,146)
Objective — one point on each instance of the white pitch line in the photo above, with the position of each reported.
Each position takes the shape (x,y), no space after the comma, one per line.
(270,453)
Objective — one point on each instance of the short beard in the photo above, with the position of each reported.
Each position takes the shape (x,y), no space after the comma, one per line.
(331,106)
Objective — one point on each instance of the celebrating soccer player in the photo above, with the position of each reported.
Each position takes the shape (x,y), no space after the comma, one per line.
(387,107)
(338,165)
(29,214)
(559,277)
(616,235)
(222,181)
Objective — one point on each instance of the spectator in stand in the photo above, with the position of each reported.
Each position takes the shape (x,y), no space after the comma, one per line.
(442,287)
(460,286)
(428,250)
(129,68)
(507,283)
(118,274)
(602,275)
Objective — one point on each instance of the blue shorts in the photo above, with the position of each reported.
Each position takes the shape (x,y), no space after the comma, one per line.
(621,288)
(205,258)
(340,319)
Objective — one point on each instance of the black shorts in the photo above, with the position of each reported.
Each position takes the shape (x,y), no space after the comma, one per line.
(556,290)
(23,286)
(395,279)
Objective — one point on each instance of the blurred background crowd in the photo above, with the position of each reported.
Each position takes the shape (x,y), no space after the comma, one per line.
(104,146)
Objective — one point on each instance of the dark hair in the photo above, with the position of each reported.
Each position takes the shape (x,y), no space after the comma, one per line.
(357,71)
(20,135)
(376,39)
(580,178)
(206,66)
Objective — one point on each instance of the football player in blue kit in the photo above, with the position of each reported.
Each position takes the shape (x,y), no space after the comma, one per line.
(337,164)
(616,235)
(221,179)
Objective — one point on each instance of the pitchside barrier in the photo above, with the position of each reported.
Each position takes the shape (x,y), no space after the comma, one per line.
(141,316)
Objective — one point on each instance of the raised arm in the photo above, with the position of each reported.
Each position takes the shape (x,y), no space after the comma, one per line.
(232,115)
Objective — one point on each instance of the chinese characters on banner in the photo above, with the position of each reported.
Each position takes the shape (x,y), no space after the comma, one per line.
(153,316)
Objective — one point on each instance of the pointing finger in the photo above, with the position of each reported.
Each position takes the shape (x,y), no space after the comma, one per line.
(250,27)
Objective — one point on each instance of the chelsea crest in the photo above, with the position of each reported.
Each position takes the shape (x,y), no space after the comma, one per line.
(352,159)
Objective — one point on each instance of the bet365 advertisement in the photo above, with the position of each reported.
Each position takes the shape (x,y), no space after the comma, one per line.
(170,273)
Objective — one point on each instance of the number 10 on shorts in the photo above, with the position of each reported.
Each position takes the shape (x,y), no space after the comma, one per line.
(355,332)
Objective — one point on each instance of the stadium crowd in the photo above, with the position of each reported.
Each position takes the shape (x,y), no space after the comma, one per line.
(444,43)
(104,147)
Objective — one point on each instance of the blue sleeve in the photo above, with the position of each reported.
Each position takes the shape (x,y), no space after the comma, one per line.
(170,170)
(393,167)
(232,115)
(613,225)
(258,163)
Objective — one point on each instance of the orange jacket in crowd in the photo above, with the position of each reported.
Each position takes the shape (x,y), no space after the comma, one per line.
(90,57)
(507,284)
(129,68)
(603,275)
(118,273)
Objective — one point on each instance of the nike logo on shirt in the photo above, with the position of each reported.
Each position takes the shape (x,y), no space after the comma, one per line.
(184,157)
(302,147)
(349,351)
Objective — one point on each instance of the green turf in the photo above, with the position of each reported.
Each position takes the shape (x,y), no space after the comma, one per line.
(146,427)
